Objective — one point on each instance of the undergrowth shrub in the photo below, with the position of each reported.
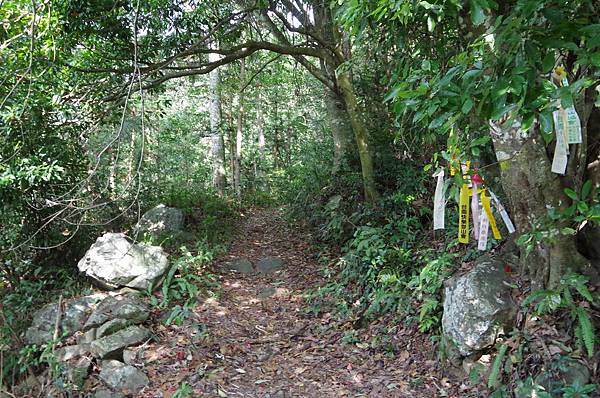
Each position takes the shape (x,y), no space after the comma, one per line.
(186,279)
(389,264)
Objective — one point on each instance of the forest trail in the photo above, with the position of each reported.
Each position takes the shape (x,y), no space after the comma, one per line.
(255,338)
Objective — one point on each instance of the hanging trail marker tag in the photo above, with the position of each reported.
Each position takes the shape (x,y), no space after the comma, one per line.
(439,203)
(485,202)
(567,121)
(484,228)
(559,162)
(567,124)
(463,215)
(475,209)
(507,221)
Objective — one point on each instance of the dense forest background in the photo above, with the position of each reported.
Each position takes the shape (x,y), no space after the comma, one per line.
(339,112)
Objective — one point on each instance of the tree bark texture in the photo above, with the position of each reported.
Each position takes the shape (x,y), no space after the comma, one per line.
(216,134)
(260,127)
(360,136)
(237,158)
(532,189)
(341,130)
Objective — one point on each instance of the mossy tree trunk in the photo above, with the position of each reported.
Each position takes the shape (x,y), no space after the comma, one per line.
(532,189)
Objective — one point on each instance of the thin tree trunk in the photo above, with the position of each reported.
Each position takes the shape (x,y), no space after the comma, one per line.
(276,137)
(237,158)
(217,144)
(260,126)
(288,146)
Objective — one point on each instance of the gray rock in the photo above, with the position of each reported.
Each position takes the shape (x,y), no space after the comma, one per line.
(123,377)
(160,220)
(269,264)
(77,370)
(131,356)
(106,393)
(241,265)
(112,346)
(87,337)
(114,262)
(130,308)
(73,316)
(478,307)
(112,326)
(267,292)
(562,372)
(70,352)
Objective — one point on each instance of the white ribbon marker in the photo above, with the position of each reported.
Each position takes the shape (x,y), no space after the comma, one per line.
(439,204)
(484,228)
(507,221)
(559,162)
(475,210)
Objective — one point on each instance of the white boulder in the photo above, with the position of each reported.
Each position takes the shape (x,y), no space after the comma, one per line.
(114,262)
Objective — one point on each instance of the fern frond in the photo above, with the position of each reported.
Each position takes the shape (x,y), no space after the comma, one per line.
(585,293)
(535,296)
(495,372)
(587,330)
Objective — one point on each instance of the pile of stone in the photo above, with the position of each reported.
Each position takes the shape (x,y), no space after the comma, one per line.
(106,328)
(108,332)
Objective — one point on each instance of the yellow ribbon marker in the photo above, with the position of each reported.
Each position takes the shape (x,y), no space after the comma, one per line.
(463,214)
(485,201)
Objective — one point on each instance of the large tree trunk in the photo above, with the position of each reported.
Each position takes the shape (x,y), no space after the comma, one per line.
(532,189)
(217,144)
(360,136)
(341,130)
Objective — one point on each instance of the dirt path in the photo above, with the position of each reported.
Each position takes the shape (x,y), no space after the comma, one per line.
(245,344)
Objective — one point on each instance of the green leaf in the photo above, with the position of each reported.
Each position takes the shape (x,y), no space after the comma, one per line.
(567,231)
(477,13)
(471,74)
(585,293)
(582,207)
(527,121)
(587,330)
(500,88)
(586,189)
(501,110)
(595,59)
(571,194)
(448,76)
(467,106)
(481,140)
(592,30)
(546,121)
(495,372)
(548,62)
